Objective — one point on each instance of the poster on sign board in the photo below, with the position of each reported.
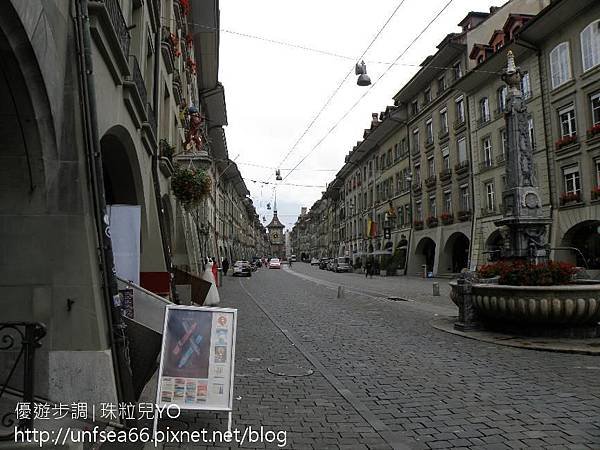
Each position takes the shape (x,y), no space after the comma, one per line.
(197,358)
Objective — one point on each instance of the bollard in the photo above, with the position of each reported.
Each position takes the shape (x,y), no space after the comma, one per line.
(424,267)
(340,292)
(436,289)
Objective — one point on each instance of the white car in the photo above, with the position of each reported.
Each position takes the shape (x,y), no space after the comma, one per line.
(275,263)
(314,262)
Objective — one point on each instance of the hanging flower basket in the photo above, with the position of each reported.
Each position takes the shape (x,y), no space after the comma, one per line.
(190,185)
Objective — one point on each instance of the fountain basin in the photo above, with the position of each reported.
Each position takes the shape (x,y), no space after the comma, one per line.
(568,305)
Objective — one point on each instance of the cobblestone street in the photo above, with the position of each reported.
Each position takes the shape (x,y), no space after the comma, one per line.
(384,378)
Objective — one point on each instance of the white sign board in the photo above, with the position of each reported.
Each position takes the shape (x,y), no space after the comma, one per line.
(125,225)
(197,358)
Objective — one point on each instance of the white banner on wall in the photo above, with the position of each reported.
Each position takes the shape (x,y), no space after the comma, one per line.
(125,228)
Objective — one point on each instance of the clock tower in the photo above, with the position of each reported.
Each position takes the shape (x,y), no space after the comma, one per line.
(276,235)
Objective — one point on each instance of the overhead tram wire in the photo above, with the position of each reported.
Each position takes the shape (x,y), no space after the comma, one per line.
(319,51)
(337,89)
(335,125)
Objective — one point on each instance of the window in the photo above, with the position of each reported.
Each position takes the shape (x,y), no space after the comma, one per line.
(441,84)
(417,173)
(431,166)
(489,196)
(501,93)
(444,119)
(560,65)
(396,152)
(400,215)
(457,71)
(447,202)
(484,109)
(389,157)
(597,171)
(429,131)
(418,210)
(460,109)
(427,95)
(566,118)
(407,213)
(526,86)
(382,162)
(503,142)
(370,169)
(572,180)
(595,100)
(590,45)
(415,107)
(446,158)
(531,132)
(488,160)
(415,143)
(464,198)
(462,149)
(432,207)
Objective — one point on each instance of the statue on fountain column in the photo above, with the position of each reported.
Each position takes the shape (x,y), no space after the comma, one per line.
(523,224)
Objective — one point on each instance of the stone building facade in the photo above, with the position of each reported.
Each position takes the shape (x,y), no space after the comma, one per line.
(448,135)
(94,120)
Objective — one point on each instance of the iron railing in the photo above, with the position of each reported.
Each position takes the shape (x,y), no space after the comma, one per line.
(118,22)
(151,118)
(138,79)
(22,338)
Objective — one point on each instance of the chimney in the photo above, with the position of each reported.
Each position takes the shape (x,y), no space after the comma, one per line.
(374,120)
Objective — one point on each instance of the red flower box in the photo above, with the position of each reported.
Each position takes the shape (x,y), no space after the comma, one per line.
(566,140)
(418,224)
(432,222)
(521,273)
(447,218)
(594,130)
(570,197)
(596,193)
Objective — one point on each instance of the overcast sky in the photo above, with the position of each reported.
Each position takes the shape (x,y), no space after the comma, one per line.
(274,91)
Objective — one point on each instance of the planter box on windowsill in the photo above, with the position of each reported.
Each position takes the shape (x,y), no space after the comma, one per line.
(565,144)
(464,216)
(447,220)
(593,135)
(431,182)
(418,225)
(445,175)
(573,204)
(432,222)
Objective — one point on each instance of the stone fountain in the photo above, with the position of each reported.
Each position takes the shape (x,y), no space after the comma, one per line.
(569,310)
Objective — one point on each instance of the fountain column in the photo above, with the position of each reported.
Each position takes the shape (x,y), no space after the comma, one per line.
(523,225)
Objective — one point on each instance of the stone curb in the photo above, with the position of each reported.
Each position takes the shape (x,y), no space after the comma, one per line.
(575,346)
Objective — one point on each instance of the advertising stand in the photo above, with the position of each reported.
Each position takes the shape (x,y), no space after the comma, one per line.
(197,359)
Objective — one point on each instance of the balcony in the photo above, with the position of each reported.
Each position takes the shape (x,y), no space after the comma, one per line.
(462,167)
(486,164)
(177,91)
(447,218)
(431,182)
(417,187)
(167,50)
(482,121)
(136,96)
(500,159)
(464,215)
(459,124)
(445,175)
(443,134)
(429,143)
(111,36)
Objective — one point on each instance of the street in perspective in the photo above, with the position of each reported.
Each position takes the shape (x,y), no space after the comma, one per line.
(385,236)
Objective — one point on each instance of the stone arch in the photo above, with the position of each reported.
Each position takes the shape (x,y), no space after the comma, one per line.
(425,254)
(585,237)
(455,255)
(493,245)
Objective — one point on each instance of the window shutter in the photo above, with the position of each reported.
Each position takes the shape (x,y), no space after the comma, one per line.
(554,67)
(587,48)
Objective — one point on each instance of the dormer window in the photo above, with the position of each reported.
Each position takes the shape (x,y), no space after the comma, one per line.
(480,59)
(457,70)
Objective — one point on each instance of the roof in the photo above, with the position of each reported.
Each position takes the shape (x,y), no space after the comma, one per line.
(275,222)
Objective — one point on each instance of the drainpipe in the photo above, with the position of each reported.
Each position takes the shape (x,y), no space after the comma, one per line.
(472,180)
(155,161)
(117,336)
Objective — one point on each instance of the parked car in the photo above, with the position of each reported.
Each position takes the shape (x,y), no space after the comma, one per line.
(274,263)
(314,262)
(293,258)
(323,263)
(342,264)
(242,268)
(331,264)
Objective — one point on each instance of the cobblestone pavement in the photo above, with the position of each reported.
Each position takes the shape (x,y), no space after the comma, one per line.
(384,378)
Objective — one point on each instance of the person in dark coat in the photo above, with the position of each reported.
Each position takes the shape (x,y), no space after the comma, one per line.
(368,269)
(225,266)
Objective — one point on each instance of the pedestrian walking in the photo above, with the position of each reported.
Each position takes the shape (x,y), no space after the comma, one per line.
(368,269)
(225,266)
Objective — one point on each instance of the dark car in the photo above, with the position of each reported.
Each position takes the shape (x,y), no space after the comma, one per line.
(323,263)
(242,268)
